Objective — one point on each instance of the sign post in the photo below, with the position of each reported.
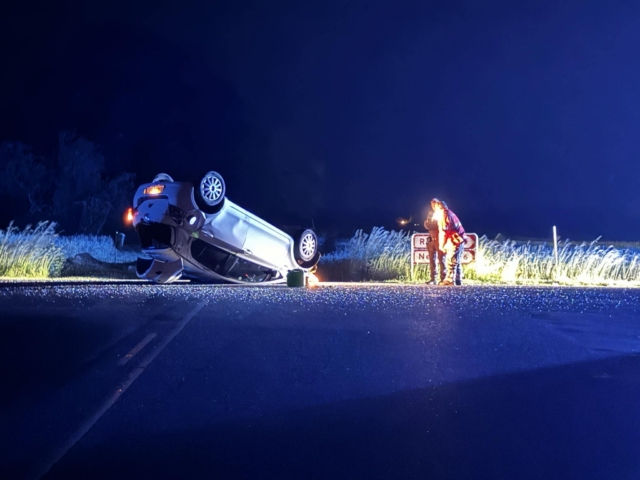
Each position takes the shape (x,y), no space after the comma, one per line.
(555,250)
(420,254)
(470,249)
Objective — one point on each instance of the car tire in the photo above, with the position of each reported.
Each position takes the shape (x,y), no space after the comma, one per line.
(209,192)
(162,177)
(305,248)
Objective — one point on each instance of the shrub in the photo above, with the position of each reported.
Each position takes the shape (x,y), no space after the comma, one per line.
(71,186)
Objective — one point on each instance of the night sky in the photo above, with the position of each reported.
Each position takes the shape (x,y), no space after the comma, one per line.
(521,115)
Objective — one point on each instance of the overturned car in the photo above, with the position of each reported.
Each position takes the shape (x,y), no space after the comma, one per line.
(196,232)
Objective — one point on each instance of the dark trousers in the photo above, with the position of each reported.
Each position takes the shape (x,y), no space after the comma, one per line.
(454,267)
(436,259)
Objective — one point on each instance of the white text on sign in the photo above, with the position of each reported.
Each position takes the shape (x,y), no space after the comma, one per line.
(421,257)
(420,240)
(468,256)
(420,254)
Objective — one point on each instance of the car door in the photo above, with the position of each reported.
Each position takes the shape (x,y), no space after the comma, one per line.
(266,244)
(228,229)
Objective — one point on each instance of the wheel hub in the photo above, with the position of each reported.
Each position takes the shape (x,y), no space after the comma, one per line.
(308,246)
(211,189)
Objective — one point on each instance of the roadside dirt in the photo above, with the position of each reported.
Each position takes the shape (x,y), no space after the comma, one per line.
(84,265)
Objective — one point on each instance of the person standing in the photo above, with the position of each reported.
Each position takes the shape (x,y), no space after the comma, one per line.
(451,242)
(436,257)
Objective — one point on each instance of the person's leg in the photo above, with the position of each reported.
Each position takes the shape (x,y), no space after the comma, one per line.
(439,269)
(458,261)
(432,252)
(450,261)
(441,265)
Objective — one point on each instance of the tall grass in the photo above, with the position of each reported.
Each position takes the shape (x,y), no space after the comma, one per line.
(100,247)
(379,255)
(31,252)
(578,263)
(39,252)
(384,255)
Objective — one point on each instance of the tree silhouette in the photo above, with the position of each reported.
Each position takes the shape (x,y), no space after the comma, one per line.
(71,188)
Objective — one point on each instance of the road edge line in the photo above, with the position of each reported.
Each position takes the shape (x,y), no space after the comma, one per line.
(135,350)
(122,387)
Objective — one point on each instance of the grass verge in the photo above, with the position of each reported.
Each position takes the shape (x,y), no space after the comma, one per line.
(31,252)
(100,247)
(384,256)
(39,252)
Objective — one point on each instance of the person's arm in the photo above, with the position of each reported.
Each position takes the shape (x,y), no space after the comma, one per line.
(443,226)
(431,224)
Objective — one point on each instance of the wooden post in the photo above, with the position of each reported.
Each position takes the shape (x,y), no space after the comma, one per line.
(555,248)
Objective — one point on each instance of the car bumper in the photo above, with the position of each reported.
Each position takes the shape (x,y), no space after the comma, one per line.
(158,271)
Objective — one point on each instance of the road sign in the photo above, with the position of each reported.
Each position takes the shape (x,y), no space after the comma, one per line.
(421,257)
(468,256)
(419,241)
(471,243)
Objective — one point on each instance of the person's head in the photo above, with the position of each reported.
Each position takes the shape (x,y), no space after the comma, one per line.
(439,205)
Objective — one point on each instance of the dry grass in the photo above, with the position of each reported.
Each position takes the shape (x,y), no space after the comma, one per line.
(39,252)
(578,263)
(30,253)
(384,255)
(376,256)
(100,247)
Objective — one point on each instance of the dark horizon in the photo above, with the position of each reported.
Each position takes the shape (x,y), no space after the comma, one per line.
(522,116)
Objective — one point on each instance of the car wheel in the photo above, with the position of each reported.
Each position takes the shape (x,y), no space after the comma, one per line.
(210,192)
(306,248)
(162,177)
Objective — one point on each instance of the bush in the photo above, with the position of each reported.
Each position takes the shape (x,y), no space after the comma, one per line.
(71,186)
(30,253)
(384,255)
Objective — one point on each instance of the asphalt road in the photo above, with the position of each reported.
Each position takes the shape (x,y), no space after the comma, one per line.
(353,382)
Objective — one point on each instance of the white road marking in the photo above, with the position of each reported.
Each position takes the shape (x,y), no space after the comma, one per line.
(143,343)
(42,469)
